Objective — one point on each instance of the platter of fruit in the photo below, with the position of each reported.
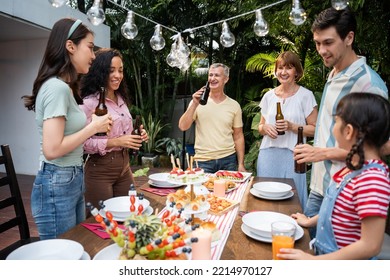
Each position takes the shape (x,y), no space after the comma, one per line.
(147,237)
(235,176)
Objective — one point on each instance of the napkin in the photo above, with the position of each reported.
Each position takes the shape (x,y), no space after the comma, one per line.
(160,192)
(98,229)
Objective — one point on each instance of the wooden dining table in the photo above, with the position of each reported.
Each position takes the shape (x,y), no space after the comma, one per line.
(238,246)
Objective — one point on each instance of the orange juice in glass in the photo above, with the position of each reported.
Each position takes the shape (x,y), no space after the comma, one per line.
(283,236)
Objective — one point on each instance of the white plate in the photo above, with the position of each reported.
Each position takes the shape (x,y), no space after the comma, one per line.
(272,189)
(110,252)
(147,212)
(195,182)
(258,194)
(50,249)
(159,178)
(245,174)
(85,257)
(120,206)
(260,221)
(166,185)
(245,229)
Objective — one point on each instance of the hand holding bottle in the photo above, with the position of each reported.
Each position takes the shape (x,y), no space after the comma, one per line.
(281,126)
(102,124)
(130,141)
(144,134)
(205,95)
(201,95)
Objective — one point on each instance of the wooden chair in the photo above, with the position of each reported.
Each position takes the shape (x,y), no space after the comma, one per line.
(14,199)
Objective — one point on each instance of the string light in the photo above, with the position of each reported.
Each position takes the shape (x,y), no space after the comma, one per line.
(172,58)
(297,14)
(96,14)
(179,54)
(339,4)
(157,42)
(261,26)
(57,3)
(227,38)
(129,30)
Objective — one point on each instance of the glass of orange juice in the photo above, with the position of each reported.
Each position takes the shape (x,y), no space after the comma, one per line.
(283,236)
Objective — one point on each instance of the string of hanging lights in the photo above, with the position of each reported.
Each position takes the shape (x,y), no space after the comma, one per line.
(180,52)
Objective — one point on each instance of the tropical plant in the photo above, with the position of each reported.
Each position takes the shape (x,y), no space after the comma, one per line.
(170,146)
(153,128)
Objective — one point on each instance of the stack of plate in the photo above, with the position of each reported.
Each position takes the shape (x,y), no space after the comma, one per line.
(272,190)
(50,249)
(120,207)
(160,180)
(257,225)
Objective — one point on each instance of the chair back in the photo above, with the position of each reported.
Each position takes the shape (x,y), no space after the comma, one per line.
(13,198)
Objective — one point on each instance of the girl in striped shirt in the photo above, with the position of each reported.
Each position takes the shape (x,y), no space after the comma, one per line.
(352,218)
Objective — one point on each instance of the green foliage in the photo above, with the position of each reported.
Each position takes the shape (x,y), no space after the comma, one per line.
(153,128)
(170,146)
(141,172)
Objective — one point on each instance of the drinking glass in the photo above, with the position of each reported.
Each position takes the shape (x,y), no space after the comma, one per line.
(283,236)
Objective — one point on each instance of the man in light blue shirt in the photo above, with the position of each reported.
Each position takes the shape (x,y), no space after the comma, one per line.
(334,33)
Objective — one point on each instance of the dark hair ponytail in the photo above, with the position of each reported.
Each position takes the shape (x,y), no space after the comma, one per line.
(370,114)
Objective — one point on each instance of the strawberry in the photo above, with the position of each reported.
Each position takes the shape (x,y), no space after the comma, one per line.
(239,175)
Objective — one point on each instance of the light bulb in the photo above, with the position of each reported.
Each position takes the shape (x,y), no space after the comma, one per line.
(172,59)
(182,49)
(157,42)
(339,4)
(129,30)
(297,14)
(186,65)
(96,14)
(227,38)
(261,26)
(57,3)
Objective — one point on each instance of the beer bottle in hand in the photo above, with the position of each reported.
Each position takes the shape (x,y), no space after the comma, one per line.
(136,131)
(205,95)
(279,116)
(300,167)
(101,108)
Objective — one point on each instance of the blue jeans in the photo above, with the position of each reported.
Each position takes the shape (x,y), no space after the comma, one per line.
(312,208)
(57,199)
(226,163)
